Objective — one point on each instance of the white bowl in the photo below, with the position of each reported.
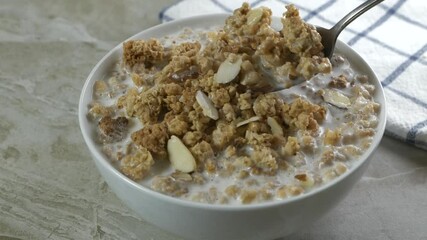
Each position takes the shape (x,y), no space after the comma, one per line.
(202,221)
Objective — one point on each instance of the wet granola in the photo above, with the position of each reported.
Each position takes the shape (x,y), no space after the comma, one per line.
(192,119)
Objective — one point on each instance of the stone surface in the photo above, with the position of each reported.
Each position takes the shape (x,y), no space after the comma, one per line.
(49,186)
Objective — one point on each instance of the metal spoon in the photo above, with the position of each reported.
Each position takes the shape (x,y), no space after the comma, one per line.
(329,36)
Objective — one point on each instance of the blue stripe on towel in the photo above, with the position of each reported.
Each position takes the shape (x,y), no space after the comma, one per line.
(390,12)
(318,10)
(395,50)
(418,143)
(256,2)
(167,18)
(399,70)
(406,19)
(222,6)
(162,14)
(412,134)
(409,97)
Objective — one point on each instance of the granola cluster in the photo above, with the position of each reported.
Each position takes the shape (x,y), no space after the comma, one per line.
(170,107)
(204,109)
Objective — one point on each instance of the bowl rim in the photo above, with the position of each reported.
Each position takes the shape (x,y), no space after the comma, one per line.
(99,157)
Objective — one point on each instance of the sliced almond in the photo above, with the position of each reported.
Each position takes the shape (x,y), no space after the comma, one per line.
(229,69)
(252,119)
(336,98)
(276,129)
(179,155)
(207,105)
(254,15)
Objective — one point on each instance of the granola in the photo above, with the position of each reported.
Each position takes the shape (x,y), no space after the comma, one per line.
(192,118)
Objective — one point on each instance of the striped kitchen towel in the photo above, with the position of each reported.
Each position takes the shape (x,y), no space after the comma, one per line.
(392,37)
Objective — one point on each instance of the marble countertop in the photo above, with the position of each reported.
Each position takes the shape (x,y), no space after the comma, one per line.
(49,186)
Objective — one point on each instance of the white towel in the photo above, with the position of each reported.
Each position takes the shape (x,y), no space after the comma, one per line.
(391,37)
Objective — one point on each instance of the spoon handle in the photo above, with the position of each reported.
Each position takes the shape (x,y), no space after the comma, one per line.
(347,19)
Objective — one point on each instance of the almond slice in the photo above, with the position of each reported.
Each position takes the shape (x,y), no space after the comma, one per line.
(229,69)
(179,155)
(336,98)
(207,105)
(276,129)
(254,15)
(252,119)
